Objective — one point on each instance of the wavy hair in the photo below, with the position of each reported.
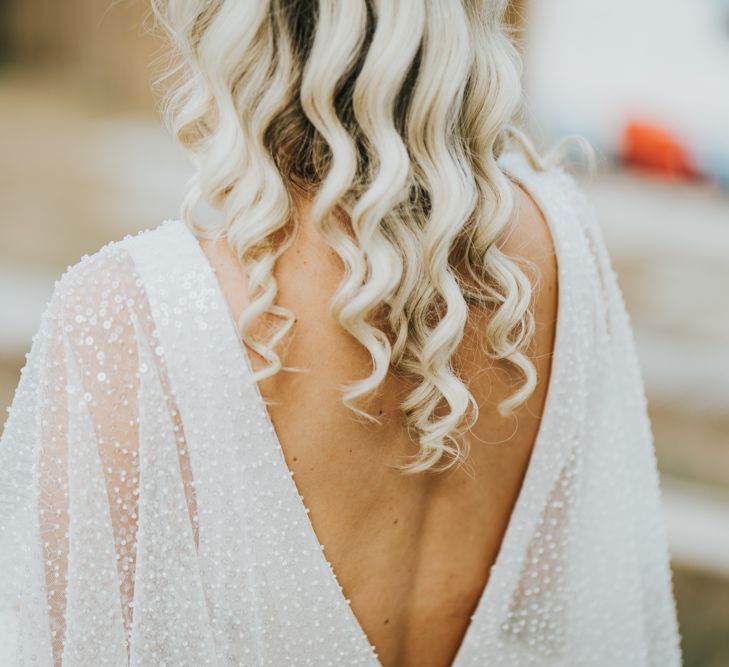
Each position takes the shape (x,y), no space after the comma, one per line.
(390,116)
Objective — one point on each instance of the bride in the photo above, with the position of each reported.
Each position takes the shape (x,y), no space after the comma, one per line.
(387,412)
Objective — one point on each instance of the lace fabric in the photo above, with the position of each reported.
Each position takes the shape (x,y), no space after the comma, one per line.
(141,525)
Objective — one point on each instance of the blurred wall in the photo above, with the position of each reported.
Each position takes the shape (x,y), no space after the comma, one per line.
(103,49)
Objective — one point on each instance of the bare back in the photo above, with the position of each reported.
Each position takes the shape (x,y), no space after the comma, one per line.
(412,553)
(150,515)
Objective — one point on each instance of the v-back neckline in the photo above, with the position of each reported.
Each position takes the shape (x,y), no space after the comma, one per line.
(485,597)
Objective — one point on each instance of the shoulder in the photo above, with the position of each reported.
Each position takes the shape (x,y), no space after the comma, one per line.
(554,191)
(549,178)
(105,276)
(530,240)
(551,202)
(530,232)
(103,296)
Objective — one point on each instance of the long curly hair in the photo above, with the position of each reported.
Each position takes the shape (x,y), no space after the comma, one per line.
(390,116)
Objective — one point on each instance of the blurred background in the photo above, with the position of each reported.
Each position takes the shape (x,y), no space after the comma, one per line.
(85,160)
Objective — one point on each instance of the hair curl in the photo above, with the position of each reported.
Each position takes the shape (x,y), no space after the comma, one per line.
(391,115)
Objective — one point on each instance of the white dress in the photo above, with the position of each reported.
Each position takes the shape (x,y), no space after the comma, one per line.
(148,517)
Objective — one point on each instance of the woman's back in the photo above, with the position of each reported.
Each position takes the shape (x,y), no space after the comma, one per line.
(413,554)
(150,515)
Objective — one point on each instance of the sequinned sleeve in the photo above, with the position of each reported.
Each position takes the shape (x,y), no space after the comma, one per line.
(91,398)
(652,559)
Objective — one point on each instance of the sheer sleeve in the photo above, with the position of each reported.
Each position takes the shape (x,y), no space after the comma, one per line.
(91,397)
(591,569)
(651,554)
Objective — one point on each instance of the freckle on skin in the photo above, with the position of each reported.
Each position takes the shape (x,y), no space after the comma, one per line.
(395,521)
(387,620)
(295,458)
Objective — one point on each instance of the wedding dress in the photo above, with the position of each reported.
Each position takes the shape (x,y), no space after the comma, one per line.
(148,516)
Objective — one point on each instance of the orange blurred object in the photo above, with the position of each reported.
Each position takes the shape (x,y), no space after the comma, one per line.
(649,145)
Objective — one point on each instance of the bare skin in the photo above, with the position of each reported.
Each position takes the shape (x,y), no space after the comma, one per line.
(412,553)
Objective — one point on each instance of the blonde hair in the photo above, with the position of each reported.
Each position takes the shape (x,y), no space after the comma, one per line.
(393,114)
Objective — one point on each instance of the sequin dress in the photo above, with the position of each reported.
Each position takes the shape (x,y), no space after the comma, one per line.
(148,517)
